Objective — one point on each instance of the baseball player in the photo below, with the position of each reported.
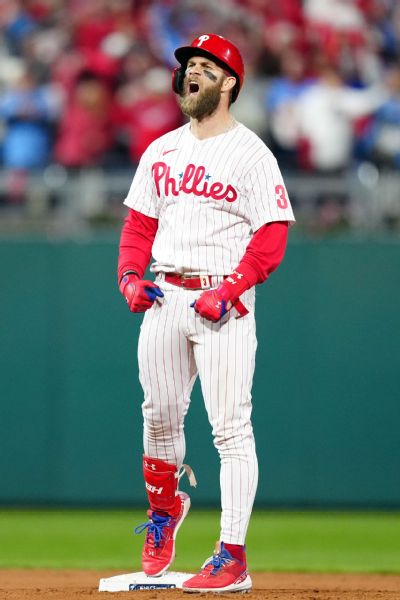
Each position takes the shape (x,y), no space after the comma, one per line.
(209,204)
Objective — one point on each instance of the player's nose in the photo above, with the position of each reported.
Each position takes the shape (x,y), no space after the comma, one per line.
(193,70)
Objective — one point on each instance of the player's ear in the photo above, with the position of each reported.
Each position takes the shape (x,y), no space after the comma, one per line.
(228,84)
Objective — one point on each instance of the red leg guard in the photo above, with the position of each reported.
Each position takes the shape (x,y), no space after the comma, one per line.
(161,480)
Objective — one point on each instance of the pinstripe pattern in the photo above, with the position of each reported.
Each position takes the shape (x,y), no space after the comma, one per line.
(225,358)
(209,197)
(199,233)
(167,373)
(176,345)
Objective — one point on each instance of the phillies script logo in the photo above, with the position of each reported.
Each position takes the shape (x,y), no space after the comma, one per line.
(193,180)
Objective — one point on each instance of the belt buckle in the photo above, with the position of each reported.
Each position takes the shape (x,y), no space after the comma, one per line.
(204,280)
(185,277)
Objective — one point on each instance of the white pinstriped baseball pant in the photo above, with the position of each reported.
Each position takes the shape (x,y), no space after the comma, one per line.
(176,345)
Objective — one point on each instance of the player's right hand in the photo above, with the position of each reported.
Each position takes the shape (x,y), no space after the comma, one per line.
(139,293)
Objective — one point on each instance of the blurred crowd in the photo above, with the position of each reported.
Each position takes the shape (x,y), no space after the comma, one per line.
(87,83)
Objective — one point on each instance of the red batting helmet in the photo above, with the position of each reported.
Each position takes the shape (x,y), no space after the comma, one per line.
(220,50)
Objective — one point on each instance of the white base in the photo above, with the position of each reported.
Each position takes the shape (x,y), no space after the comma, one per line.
(134,582)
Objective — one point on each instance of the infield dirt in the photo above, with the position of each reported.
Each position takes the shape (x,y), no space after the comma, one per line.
(82,585)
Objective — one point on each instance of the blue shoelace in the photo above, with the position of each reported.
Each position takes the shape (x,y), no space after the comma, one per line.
(218,561)
(154,527)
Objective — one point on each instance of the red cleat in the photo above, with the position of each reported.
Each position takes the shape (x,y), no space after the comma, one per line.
(159,546)
(220,573)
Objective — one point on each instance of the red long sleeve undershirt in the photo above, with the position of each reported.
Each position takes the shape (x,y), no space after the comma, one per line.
(137,237)
(262,256)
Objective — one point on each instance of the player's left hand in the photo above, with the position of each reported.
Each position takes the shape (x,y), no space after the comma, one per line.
(213,304)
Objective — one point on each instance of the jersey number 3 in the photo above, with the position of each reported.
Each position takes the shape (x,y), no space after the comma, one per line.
(281,199)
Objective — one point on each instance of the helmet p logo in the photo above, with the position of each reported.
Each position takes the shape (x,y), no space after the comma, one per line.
(202,39)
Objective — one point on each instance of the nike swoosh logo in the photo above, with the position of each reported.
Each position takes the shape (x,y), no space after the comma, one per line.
(168,151)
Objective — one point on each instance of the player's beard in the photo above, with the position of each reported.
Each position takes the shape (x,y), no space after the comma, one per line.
(203,104)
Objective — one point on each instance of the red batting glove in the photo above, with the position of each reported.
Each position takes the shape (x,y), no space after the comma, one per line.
(139,294)
(214,304)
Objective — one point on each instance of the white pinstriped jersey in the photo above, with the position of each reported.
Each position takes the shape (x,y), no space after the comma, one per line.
(209,196)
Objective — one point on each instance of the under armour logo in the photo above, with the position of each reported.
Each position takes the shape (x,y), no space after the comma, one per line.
(153,489)
(151,466)
(202,39)
(232,280)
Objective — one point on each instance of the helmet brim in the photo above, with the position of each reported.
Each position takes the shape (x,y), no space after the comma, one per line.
(183,54)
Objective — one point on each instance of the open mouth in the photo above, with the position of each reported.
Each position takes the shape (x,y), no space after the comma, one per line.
(193,87)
